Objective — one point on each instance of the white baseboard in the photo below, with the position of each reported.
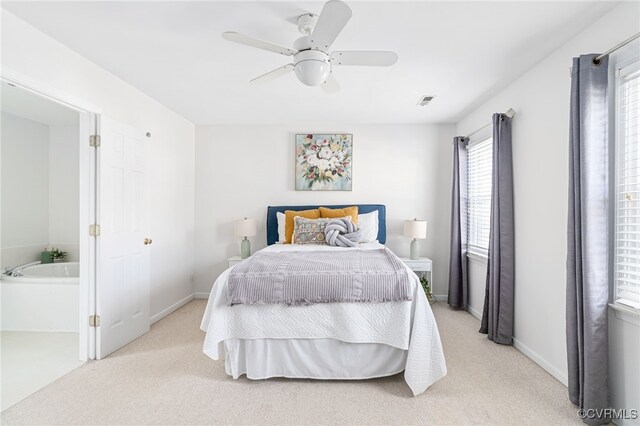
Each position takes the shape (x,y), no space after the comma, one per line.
(157,317)
(477,314)
(533,356)
(444,297)
(201,295)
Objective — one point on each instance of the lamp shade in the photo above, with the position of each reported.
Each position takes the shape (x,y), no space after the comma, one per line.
(415,228)
(246,228)
(312,66)
(312,72)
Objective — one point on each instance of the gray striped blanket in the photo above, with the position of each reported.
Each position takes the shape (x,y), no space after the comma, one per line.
(308,277)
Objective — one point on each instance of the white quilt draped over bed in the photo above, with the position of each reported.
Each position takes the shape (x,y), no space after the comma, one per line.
(407,325)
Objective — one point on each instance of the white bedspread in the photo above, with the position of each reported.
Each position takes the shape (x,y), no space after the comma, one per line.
(408,325)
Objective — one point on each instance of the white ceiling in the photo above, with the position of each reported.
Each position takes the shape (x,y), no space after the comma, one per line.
(460,52)
(22,103)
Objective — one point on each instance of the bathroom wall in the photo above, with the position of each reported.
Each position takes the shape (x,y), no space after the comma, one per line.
(39,189)
(25,189)
(64,189)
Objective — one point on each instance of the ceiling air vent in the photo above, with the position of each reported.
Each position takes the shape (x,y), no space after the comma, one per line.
(424,100)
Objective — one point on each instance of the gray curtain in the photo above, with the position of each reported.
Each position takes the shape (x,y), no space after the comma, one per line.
(497,315)
(458,284)
(587,239)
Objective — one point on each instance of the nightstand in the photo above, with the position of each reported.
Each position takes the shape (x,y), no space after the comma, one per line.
(233,261)
(423,264)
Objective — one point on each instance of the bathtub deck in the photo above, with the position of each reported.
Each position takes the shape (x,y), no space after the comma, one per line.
(32,360)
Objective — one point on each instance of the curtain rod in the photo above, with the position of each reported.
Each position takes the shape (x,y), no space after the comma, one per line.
(510,113)
(597,59)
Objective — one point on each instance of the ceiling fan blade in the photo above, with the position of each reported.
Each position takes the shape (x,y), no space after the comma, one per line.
(371,58)
(331,85)
(260,44)
(272,75)
(334,16)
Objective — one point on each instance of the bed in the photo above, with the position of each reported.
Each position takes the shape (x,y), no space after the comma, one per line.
(342,340)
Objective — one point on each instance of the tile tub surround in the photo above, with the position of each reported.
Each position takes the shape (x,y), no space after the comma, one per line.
(14,256)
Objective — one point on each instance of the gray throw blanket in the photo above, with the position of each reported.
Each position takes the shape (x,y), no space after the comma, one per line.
(342,233)
(307,277)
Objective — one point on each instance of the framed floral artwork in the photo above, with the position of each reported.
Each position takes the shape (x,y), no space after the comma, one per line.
(324,162)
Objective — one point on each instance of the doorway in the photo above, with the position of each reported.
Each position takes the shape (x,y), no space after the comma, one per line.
(44,255)
(75,209)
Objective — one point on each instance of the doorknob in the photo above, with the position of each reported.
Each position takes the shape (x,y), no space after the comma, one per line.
(147,241)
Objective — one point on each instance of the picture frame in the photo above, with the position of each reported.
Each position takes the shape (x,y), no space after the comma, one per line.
(324,162)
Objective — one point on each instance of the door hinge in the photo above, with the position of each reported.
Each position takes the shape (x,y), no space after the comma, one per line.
(94,320)
(94,141)
(94,230)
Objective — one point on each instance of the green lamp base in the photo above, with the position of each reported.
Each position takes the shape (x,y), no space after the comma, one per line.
(245,248)
(415,250)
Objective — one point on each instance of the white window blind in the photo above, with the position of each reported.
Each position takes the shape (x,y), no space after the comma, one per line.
(627,194)
(479,161)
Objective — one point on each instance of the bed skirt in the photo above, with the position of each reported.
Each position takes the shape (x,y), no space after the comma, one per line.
(326,359)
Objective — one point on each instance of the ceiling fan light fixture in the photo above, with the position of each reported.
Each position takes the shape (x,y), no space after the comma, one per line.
(312,67)
(313,59)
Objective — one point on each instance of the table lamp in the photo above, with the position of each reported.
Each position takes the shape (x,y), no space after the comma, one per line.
(415,229)
(245,228)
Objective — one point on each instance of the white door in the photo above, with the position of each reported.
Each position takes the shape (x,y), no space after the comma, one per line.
(122,248)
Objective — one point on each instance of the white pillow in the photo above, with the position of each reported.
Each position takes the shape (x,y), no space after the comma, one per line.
(368,223)
(281,218)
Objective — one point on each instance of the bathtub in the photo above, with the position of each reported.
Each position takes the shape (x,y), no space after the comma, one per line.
(44,298)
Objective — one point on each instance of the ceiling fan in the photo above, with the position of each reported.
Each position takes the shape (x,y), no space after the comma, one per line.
(312,62)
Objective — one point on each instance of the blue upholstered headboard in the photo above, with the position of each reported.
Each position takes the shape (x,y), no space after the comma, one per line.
(272,221)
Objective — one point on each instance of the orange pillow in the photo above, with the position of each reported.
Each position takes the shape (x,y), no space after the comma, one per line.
(288,224)
(347,211)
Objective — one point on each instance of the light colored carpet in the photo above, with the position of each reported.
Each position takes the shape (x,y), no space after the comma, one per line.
(164,378)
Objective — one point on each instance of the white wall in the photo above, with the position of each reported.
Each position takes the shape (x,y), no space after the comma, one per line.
(39,189)
(477,275)
(240,170)
(624,363)
(540,156)
(64,189)
(25,189)
(36,60)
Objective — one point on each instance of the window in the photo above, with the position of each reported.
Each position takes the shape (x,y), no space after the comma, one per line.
(479,162)
(627,188)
